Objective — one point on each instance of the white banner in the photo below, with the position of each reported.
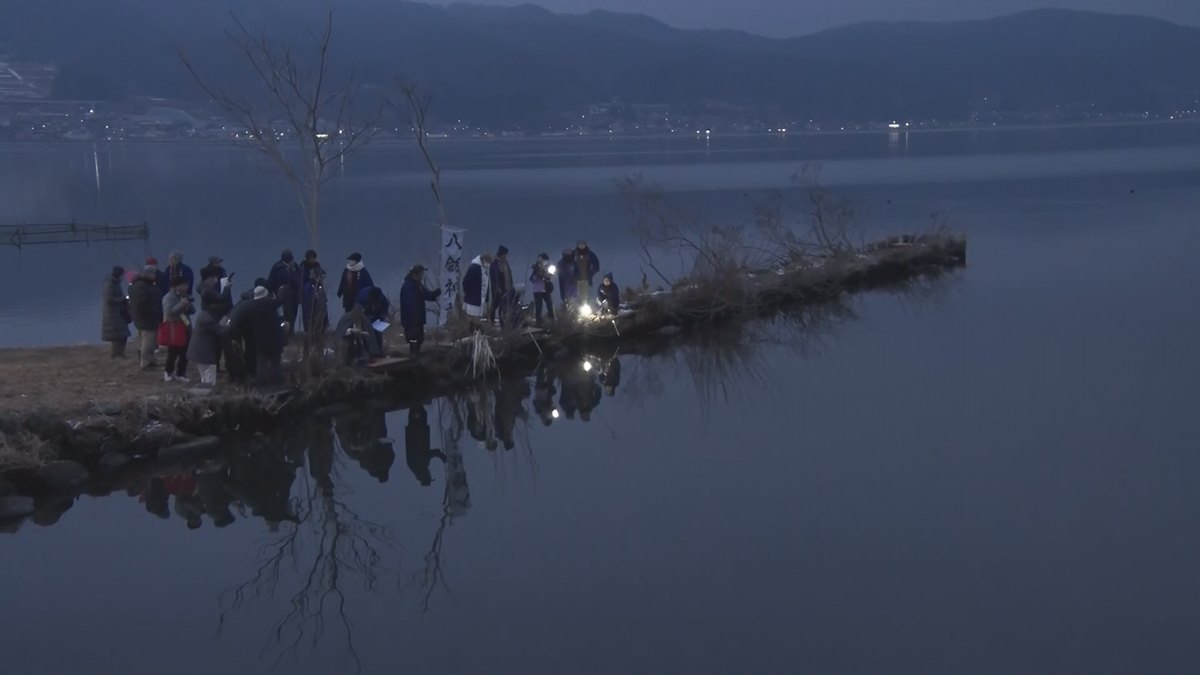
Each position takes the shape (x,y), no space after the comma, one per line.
(451,271)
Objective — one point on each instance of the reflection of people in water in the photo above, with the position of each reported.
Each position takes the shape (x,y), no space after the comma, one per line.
(581,392)
(510,398)
(543,393)
(187,501)
(156,498)
(363,435)
(262,480)
(215,498)
(417,452)
(610,377)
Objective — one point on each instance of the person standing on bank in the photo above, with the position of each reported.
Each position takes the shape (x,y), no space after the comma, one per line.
(587,266)
(314,306)
(204,348)
(500,279)
(177,270)
(286,282)
(115,317)
(413,296)
(541,282)
(355,278)
(476,291)
(145,304)
(176,329)
(567,288)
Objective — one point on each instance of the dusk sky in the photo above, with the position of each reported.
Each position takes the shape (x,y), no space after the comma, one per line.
(782,18)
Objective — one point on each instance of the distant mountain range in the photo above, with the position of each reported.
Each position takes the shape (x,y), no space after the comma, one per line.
(525,65)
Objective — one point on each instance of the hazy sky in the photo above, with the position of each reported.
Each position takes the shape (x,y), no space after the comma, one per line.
(794,17)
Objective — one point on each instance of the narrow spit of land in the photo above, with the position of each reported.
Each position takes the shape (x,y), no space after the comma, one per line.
(78,404)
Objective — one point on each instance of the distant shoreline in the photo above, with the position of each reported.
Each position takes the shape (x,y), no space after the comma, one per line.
(698,136)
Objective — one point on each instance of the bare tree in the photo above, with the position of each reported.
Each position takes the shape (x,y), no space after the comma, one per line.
(299,111)
(415,112)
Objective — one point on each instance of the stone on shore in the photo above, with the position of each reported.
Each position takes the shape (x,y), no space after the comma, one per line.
(15,507)
(63,476)
(183,451)
(113,460)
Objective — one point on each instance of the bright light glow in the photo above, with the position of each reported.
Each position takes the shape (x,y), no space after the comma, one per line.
(587,365)
(552,269)
(322,136)
(893,125)
(554,414)
(585,310)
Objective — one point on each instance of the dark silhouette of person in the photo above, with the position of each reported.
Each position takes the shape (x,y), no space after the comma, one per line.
(510,398)
(610,377)
(543,393)
(417,453)
(157,499)
(364,438)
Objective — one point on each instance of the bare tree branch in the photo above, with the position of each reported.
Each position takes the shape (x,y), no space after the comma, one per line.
(300,114)
(415,113)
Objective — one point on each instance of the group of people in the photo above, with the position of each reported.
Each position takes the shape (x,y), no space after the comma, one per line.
(201,321)
(490,294)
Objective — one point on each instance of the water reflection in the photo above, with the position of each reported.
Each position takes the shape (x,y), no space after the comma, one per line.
(320,554)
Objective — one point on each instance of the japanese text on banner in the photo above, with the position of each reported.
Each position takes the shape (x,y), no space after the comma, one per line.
(451,271)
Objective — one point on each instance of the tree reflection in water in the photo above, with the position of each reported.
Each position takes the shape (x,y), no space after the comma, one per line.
(323,546)
(323,539)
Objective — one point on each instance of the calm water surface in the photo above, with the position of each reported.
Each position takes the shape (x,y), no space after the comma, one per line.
(997,477)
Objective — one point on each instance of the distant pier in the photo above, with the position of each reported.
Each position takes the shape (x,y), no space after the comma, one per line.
(24,235)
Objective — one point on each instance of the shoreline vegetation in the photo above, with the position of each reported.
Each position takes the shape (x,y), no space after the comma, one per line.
(69,414)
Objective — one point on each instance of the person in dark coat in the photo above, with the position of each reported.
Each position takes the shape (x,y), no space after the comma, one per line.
(114,325)
(413,296)
(587,266)
(213,270)
(500,280)
(287,283)
(145,304)
(417,453)
(177,270)
(541,283)
(609,296)
(476,291)
(314,306)
(240,358)
(161,280)
(375,303)
(260,325)
(567,288)
(355,278)
(204,349)
(359,342)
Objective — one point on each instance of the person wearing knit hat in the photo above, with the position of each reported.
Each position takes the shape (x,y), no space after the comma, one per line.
(114,326)
(355,279)
(500,280)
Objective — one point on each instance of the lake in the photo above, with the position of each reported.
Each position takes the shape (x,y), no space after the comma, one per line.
(995,476)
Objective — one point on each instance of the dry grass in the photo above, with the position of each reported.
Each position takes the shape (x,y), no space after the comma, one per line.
(25,451)
(73,378)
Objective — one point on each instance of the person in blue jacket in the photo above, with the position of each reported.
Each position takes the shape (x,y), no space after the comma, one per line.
(177,270)
(286,281)
(413,296)
(375,304)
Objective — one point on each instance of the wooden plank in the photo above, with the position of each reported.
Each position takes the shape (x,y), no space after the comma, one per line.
(388,363)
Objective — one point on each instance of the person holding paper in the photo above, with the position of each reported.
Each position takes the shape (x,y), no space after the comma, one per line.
(413,296)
